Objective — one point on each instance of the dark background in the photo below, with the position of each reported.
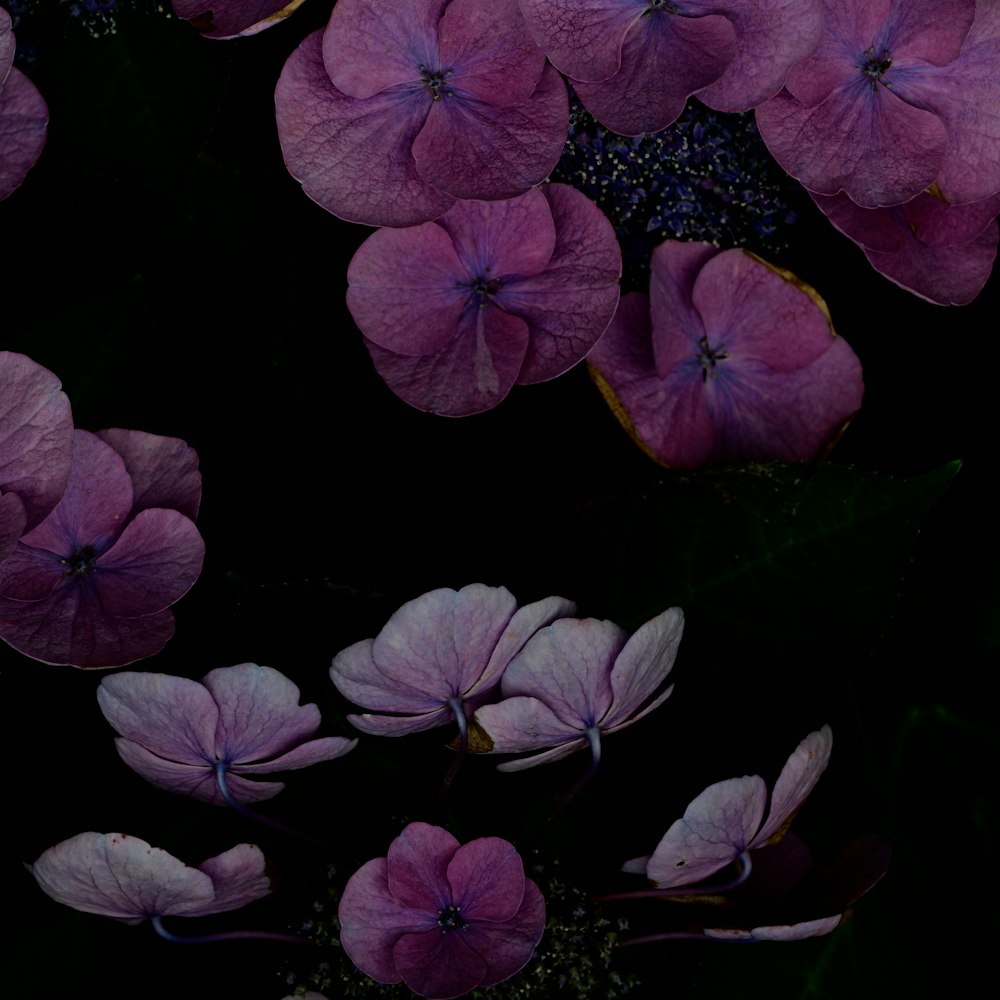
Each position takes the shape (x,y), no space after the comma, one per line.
(163,264)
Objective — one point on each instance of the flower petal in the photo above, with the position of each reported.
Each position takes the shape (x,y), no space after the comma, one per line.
(487,880)
(239,877)
(418,862)
(24,117)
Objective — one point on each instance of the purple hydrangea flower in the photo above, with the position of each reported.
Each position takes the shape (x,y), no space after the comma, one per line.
(729,359)
(198,737)
(576,680)
(36,444)
(233,18)
(899,94)
(634,63)
(399,108)
(443,918)
(90,586)
(727,819)
(24,116)
(122,877)
(943,253)
(438,657)
(457,311)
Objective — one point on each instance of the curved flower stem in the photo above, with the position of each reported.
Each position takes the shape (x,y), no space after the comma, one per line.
(458,711)
(668,936)
(226,935)
(687,890)
(594,739)
(220,779)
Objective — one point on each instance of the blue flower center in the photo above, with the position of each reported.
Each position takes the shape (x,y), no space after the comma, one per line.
(874,65)
(434,81)
(480,289)
(708,356)
(449,919)
(80,563)
(655,5)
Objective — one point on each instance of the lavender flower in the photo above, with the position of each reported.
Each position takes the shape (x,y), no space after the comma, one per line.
(207,738)
(397,109)
(443,918)
(728,360)
(438,657)
(896,97)
(119,876)
(90,586)
(576,680)
(492,294)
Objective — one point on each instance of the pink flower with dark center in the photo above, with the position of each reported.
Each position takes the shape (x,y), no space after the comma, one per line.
(728,360)
(899,95)
(457,311)
(36,445)
(442,917)
(210,738)
(90,586)
(399,108)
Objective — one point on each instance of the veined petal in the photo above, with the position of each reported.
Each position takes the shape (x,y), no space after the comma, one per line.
(522,723)
(24,117)
(418,862)
(438,965)
(508,946)
(198,781)
(224,19)
(353,156)
(358,679)
(487,880)
(239,877)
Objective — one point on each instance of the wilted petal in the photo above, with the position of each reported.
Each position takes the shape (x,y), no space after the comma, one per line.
(163,470)
(36,438)
(353,156)
(716,828)
(24,117)
(232,18)
(797,779)
(780,932)
(120,876)
(238,876)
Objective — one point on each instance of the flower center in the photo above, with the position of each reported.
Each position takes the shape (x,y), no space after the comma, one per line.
(875,65)
(708,356)
(481,288)
(434,80)
(654,5)
(449,919)
(82,562)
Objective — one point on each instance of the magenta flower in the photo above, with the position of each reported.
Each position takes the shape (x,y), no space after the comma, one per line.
(23,116)
(36,443)
(438,657)
(579,679)
(725,820)
(898,95)
(122,877)
(208,738)
(443,918)
(492,294)
(90,586)
(943,253)
(399,108)
(634,63)
(233,18)
(729,360)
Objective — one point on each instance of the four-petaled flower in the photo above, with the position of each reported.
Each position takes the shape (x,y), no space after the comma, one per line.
(92,584)
(120,876)
(579,679)
(729,359)
(443,918)
(207,738)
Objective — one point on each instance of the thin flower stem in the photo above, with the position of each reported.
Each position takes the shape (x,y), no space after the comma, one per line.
(746,865)
(594,739)
(220,778)
(226,935)
(668,936)
(458,711)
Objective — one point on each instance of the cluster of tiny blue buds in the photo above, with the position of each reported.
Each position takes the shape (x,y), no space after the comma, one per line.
(707,177)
